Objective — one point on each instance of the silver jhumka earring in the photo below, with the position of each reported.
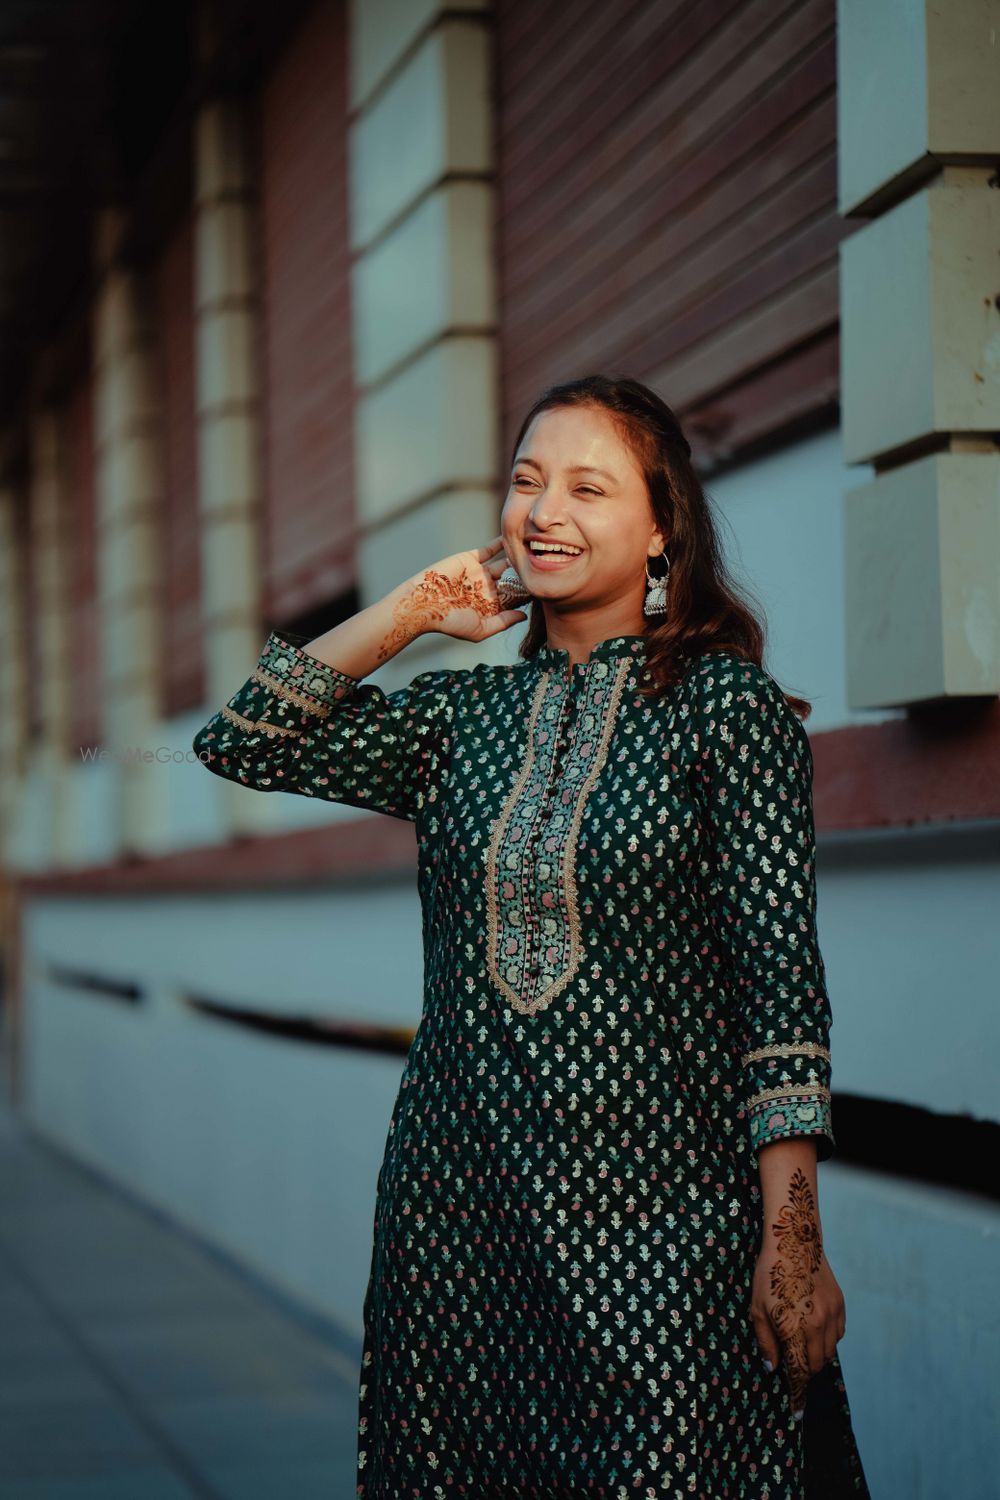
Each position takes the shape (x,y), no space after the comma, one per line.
(656,590)
(510,590)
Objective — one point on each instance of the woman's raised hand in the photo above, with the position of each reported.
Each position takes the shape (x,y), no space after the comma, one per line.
(458,596)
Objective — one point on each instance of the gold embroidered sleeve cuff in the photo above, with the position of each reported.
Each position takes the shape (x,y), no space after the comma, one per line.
(787,1088)
(288,691)
(288,694)
(298,725)
(288,683)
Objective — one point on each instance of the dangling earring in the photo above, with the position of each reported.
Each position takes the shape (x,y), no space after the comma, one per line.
(510,589)
(656,590)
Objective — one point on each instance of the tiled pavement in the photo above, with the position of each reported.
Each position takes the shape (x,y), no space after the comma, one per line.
(137,1365)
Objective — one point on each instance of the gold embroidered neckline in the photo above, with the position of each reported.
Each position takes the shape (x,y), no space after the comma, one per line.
(516,949)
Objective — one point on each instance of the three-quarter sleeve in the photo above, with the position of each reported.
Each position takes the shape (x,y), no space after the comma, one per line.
(756,768)
(299,725)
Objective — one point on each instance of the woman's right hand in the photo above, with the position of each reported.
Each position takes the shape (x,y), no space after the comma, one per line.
(458,596)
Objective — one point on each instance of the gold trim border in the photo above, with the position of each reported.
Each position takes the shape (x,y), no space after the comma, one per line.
(249,727)
(282,690)
(786,1049)
(795,1091)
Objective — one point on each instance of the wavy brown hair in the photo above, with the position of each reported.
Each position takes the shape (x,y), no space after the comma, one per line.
(706,609)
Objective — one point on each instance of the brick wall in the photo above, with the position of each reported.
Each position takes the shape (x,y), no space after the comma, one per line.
(668,208)
(306,356)
(183,678)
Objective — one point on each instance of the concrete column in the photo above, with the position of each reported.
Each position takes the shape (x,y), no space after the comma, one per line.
(227,314)
(130,495)
(919,135)
(424,298)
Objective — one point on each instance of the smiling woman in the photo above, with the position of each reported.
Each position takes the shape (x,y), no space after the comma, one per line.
(603,464)
(597,1262)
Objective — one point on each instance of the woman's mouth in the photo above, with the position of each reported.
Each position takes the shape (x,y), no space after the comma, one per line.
(550,558)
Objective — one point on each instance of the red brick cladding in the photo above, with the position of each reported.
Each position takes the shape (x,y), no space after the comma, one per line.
(26,570)
(667,207)
(183,683)
(308,392)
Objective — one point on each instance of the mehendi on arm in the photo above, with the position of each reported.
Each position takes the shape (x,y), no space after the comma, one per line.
(793,1270)
(797,1305)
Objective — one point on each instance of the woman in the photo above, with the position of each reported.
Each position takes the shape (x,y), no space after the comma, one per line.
(597,1263)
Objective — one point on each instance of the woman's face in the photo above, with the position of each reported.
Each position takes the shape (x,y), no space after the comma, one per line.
(575,481)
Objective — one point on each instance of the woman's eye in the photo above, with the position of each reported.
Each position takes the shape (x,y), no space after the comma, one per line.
(582,489)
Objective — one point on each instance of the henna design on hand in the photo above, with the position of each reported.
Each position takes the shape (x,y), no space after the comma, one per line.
(800,1251)
(433,598)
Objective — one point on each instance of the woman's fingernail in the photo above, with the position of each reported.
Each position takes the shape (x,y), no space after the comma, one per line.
(768,1366)
(798,1415)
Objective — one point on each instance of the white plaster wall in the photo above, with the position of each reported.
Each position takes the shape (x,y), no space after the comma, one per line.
(912,950)
(921,1349)
(783,532)
(268,1147)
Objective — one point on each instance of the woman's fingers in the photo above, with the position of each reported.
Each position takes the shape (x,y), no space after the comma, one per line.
(797,1372)
(503,621)
(767,1339)
(816,1347)
(835,1329)
(812,1347)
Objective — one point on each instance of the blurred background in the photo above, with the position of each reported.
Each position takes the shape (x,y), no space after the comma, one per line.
(277,284)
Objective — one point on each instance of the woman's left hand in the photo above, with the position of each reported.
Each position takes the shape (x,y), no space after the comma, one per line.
(797,1305)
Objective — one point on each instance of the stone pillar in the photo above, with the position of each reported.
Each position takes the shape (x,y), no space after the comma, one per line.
(423,293)
(228,412)
(130,495)
(920,372)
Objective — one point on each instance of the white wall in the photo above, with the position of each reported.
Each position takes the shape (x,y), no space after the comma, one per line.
(921,1350)
(268,1147)
(783,534)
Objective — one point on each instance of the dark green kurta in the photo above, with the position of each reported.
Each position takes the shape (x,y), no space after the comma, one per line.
(623,1001)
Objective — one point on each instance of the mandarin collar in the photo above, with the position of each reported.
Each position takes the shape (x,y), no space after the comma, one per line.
(613,649)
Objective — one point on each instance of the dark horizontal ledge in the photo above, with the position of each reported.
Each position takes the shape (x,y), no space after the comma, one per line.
(95,984)
(911,843)
(923,1145)
(324,1031)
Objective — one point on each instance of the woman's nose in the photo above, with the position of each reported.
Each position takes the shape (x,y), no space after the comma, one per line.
(545,510)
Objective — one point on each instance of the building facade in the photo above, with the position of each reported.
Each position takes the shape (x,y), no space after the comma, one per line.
(283,289)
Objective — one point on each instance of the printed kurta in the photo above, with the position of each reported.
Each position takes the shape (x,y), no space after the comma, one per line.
(624,1000)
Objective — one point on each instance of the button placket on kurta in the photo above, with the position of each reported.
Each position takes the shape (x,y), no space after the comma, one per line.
(558,702)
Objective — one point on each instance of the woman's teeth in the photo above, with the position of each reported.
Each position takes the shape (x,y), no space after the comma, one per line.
(549,547)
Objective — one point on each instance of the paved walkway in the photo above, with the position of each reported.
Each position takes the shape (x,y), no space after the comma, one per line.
(137,1365)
